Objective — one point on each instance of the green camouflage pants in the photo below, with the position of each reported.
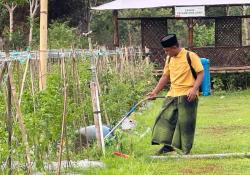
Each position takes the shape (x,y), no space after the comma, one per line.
(175,124)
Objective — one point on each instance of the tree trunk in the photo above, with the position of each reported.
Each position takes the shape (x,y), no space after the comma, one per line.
(34,4)
(11,24)
(11,16)
(115,32)
(31,31)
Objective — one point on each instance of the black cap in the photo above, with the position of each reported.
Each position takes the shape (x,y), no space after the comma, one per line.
(169,40)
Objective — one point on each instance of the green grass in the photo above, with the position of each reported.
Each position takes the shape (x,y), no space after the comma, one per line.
(223,126)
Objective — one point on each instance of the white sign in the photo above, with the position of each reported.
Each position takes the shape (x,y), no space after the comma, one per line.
(191,11)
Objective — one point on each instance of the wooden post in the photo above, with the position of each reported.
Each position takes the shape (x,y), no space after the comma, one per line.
(96,102)
(147,55)
(43,43)
(116,32)
(190,32)
(245,26)
(173,11)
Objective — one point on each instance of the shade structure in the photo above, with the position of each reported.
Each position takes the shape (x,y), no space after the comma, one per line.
(140,4)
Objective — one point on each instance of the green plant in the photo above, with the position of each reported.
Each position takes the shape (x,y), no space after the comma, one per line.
(204,35)
(62,36)
(122,88)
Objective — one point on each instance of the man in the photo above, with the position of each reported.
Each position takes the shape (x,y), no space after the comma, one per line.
(175,125)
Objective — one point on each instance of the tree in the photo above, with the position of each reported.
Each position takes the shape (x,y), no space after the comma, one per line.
(77,12)
(34,4)
(11,5)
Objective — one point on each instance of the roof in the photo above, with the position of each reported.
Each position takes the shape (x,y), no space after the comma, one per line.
(139,4)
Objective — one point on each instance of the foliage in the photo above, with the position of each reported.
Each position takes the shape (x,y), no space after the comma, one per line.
(102,27)
(43,111)
(13,1)
(155,12)
(3,18)
(204,35)
(123,87)
(230,82)
(17,42)
(180,28)
(63,36)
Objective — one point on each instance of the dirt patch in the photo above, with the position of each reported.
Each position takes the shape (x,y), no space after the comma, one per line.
(201,169)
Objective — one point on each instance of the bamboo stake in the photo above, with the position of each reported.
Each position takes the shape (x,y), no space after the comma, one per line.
(63,119)
(122,61)
(9,124)
(62,62)
(32,86)
(73,66)
(78,83)
(2,72)
(23,81)
(18,74)
(80,100)
(20,121)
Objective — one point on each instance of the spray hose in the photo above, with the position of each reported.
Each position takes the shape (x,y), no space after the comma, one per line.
(129,113)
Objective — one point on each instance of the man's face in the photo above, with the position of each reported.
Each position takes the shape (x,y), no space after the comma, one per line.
(171,51)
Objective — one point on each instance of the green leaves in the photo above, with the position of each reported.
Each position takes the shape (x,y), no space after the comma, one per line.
(122,88)
(62,36)
(204,35)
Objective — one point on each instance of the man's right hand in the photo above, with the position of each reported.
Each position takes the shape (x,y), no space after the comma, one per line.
(151,95)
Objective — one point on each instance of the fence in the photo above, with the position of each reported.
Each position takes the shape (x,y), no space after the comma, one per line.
(224,40)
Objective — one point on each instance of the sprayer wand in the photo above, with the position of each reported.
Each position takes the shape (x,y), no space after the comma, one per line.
(128,114)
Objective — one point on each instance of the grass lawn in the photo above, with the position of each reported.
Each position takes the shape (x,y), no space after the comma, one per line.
(223,126)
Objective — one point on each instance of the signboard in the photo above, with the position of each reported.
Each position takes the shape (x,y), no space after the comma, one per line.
(191,11)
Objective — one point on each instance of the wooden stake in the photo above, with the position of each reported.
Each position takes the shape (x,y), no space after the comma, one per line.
(9,125)
(97,116)
(63,119)
(20,121)
(75,92)
(2,72)
(23,81)
(32,86)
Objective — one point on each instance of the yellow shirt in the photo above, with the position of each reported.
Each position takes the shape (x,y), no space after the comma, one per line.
(181,77)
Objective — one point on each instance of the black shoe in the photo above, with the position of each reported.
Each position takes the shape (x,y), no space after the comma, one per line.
(165,149)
